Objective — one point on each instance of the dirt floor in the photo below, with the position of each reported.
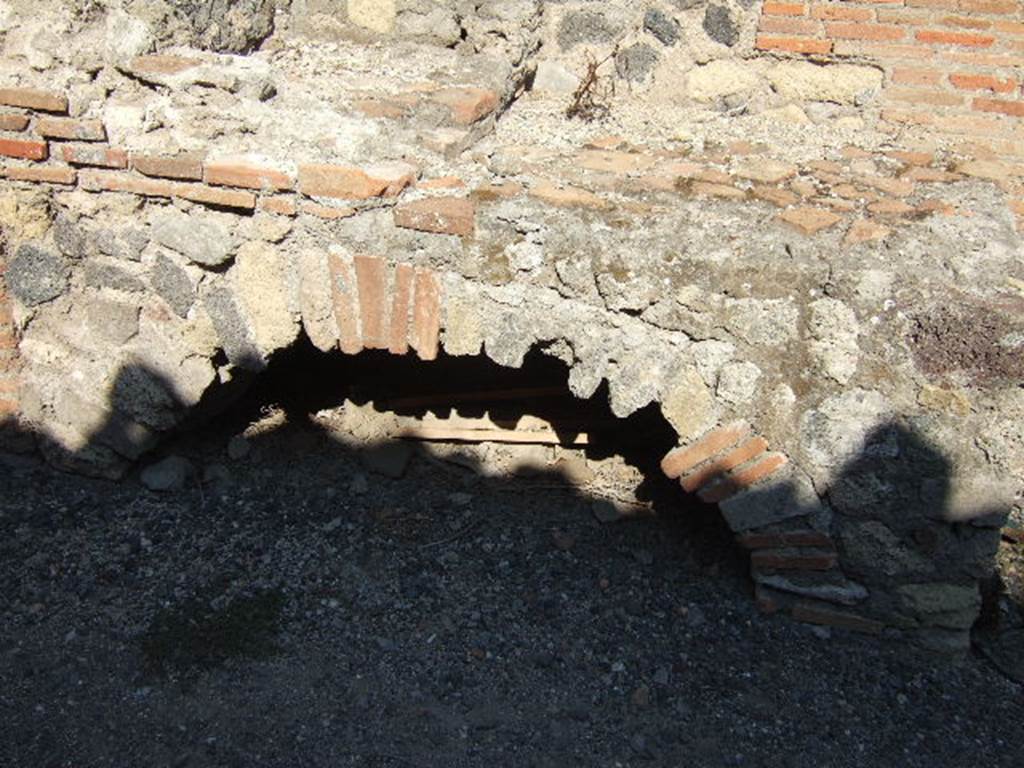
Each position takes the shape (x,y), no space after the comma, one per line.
(288,607)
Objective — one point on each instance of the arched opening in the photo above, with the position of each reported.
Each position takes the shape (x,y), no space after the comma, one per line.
(464,425)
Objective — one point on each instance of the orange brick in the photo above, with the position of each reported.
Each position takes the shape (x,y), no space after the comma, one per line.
(568,197)
(883,50)
(441,215)
(398,336)
(354,183)
(917,76)
(930,175)
(282,205)
(783,25)
(24,149)
(865,231)
(99,157)
(111,181)
(853,31)
(808,220)
(792,44)
(185,167)
(331,212)
(1010,27)
(947,5)
(162,64)
(247,176)
(221,198)
(965,23)
(71,129)
(467,105)
(1013,108)
(371,279)
(681,460)
(903,16)
(975,59)
(778,197)
(442,182)
(989,6)
(983,83)
(722,191)
(920,96)
(343,297)
(943,37)
(7,407)
(842,13)
(31,98)
(426,314)
(887,207)
(743,478)
(783,9)
(44,174)
(15,123)
(711,470)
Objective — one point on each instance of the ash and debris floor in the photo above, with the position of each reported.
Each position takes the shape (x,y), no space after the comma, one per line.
(286,616)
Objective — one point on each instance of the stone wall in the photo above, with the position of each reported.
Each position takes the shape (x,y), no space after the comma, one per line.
(828,312)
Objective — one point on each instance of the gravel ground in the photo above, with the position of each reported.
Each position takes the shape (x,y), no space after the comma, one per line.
(302,613)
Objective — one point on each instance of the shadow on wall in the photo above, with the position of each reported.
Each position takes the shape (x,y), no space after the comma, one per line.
(902,555)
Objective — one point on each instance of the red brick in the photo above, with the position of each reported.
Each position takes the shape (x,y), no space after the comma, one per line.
(382,108)
(1013,108)
(185,167)
(784,25)
(681,460)
(930,175)
(912,158)
(904,17)
(247,176)
(426,314)
(31,98)
(330,212)
(221,198)
(16,123)
(785,539)
(71,129)
(975,59)
(833,617)
(111,181)
(854,31)
(887,207)
(983,83)
(743,478)
(442,215)
(282,205)
(723,191)
(353,183)
(24,149)
(568,197)
(398,336)
(43,174)
(343,296)
(1010,27)
(917,76)
(467,105)
(781,198)
(783,9)
(842,13)
(7,407)
(714,469)
(99,157)
(766,601)
(947,5)
(371,279)
(944,37)
(808,220)
(792,44)
(783,560)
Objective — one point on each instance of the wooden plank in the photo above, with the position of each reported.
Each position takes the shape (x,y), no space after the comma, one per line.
(446,433)
(476,396)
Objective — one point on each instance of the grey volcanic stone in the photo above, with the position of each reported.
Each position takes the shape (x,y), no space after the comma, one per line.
(585,27)
(171,474)
(228,26)
(685,5)
(198,239)
(232,329)
(70,239)
(100,275)
(35,276)
(663,27)
(719,25)
(636,62)
(172,284)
